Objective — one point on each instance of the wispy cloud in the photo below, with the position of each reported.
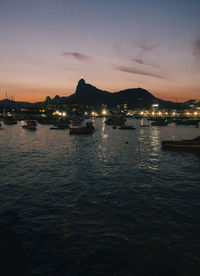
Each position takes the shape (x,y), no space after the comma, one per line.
(139,60)
(148,51)
(196,47)
(78,56)
(136,71)
(142,61)
(141,52)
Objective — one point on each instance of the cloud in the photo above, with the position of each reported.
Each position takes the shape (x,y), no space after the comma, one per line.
(78,56)
(141,61)
(136,71)
(196,47)
(138,60)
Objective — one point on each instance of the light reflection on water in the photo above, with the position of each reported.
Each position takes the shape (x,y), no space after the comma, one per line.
(107,192)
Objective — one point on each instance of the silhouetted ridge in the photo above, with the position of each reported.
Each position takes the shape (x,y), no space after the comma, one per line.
(90,95)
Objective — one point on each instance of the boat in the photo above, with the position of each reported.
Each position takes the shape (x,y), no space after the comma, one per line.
(57,128)
(126,127)
(183,144)
(87,129)
(31,125)
(60,124)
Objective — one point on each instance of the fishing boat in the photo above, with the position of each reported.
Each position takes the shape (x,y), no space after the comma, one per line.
(183,144)
(87,129)
(31,125)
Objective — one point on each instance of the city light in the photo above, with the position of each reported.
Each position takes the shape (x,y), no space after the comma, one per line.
(104,112)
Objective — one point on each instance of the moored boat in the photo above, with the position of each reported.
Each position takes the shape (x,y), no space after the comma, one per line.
(60,124)
(182,144)
(32,125)
(87,129)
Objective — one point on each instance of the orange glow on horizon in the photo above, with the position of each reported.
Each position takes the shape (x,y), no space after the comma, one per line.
(33,97)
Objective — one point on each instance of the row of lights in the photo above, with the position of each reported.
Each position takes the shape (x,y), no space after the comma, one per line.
(145,113)
(93,113)
(166,113)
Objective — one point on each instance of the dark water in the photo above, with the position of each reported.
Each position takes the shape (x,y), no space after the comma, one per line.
(113,203)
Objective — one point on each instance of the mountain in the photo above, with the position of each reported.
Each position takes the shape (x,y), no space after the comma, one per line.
(9,104)
(88,94)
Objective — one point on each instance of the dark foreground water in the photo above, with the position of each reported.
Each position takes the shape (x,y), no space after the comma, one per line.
(113,203)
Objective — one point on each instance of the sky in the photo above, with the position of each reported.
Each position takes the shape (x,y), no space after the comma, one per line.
(46,46)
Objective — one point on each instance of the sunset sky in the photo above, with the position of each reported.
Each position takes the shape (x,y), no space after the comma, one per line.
(48,45)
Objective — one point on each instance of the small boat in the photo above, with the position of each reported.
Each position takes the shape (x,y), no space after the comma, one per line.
(87,129)
(183,144)
(58,127)
(126,127)
(60,124)
(31,125)
(115,121)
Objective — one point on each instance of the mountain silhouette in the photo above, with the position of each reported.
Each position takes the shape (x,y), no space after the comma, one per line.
(88,94)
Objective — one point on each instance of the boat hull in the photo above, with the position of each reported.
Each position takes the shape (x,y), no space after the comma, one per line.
(127,128)
(80,130)
(30,127)
(185,144)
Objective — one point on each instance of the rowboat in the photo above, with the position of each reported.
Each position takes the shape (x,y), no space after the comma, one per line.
(183,144)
